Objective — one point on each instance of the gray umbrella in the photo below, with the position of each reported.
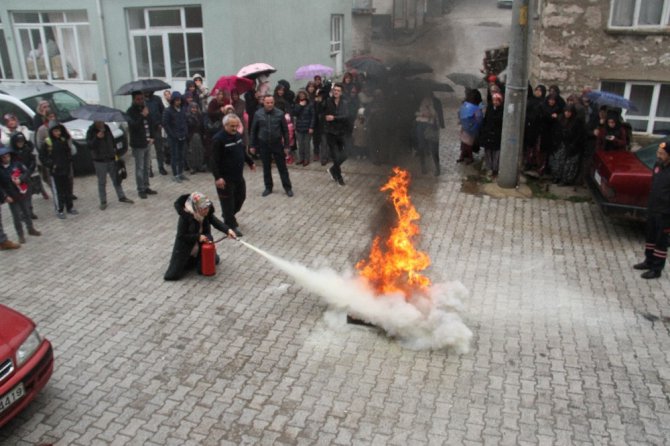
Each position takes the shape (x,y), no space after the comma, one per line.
(467,80)
(143,85)
(429,85)
(92,112)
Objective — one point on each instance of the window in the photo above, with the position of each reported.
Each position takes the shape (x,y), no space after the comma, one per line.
(5,67)
(638,14)
(167,42)
(55,45)
(336,28)
(22,116)
(653,103)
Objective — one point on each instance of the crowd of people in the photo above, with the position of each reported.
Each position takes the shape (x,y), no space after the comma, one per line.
(560,138)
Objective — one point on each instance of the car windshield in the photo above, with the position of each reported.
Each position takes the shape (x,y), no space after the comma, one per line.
(647,154)
(62,103)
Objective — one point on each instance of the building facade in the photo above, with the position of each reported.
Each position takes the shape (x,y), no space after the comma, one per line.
(620,46)
(91,47)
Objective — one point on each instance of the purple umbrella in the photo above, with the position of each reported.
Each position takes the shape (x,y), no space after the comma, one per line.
(309,71)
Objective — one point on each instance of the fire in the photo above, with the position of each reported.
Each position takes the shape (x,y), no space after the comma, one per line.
(394,264)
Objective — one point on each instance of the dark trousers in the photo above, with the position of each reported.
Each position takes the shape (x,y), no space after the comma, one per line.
(231,199)
(337,153)
(177,149)
(63,187)
(656,240)
(158,146)
(21,213)
(276,152)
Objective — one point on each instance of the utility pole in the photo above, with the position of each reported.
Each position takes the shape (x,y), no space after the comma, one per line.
(515,98)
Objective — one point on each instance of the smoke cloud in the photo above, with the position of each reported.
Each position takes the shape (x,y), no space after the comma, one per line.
(422,323)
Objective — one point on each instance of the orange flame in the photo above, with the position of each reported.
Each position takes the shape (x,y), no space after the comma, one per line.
(395,266)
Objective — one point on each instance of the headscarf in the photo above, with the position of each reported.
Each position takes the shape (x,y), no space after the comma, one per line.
(196,202)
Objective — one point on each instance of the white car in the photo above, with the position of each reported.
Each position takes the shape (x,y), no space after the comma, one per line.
(22,100)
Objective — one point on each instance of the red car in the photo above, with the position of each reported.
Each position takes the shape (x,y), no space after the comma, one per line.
(26,362)
(621,180)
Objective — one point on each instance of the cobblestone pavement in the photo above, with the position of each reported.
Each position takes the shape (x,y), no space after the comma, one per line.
(564,351)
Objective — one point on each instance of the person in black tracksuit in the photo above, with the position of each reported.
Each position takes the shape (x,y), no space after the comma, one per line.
(228,158)
(56,155)
(658,217)
(269,135)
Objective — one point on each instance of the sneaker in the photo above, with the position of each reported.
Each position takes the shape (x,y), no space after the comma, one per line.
(61,215)
(642,266)
(237,232)
(162,170)
(34,232)
(651,274)
(126,200)
(176,179)
(8,244)
(72,211)
(266,192)
(103,206)
(151,191)
(340,181)
(22,239)
(289,192)
(184,177)
(142,195)
(330,172)
(33,216)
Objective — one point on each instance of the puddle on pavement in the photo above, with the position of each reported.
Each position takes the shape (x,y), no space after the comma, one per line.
(470,187)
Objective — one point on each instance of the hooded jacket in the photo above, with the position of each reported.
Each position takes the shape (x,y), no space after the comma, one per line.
(55,153)
(14,168)
(102,149)
(26,154)
(188,233)
(174,119)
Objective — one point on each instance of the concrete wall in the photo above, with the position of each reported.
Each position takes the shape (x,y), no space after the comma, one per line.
(572,47)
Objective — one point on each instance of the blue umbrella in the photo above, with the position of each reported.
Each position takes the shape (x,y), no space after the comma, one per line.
(611,100)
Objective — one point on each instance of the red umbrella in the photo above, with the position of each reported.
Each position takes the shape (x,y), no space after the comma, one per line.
(229,83)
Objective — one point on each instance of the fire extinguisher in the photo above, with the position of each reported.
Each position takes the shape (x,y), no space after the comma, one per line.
(208,258)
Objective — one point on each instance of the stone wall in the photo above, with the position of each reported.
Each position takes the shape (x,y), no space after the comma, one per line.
(571,46)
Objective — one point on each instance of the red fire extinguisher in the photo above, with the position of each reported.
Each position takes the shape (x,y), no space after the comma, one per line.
(208,259)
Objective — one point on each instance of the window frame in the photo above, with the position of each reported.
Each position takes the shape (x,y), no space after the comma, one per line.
(665,18)
(58,28)
(651,118)
(164,33)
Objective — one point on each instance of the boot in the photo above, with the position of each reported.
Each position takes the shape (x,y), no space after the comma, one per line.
(8,244)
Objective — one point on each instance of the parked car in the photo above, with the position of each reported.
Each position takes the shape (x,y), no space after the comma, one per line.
(22,100)
(26,362)
(621,180)
(504,3)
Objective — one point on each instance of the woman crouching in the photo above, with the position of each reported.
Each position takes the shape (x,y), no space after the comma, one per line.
(196,218)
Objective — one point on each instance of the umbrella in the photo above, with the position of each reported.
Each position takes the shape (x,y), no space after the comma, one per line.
(429,85)
(143,85)
(410,68)
(467,80)
(230,83)
(254,70)
(370,65)
(611,100)
(93,112)
(309,71)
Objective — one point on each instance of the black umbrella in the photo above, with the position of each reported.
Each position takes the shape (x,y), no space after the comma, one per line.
(467,80)
(143,85)
(102,113)
(370,65)
(410,68)
(429,85)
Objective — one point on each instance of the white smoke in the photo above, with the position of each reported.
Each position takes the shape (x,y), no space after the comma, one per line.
(423,322)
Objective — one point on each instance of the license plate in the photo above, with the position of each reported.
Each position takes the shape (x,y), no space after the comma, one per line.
(598,178)
(119,145)
(13,396)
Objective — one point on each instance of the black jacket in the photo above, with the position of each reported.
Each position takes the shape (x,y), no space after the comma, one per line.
(341,124)
(229,156)
(188,234)
(304,117)
(7,185)
(572,135)
(269,128)
(490,134)
(136,127)
(56,154)
(102,149)
(24,155)
(659,197)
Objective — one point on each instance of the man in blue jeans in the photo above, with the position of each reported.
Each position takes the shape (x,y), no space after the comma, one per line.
(141,139)
(174,124)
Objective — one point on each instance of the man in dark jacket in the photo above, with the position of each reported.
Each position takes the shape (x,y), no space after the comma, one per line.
(196,218)
(156,108)
(141,137)
(269,135)
(229,156)
(100,141)
(176,127)
(336,112)
(658,217)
